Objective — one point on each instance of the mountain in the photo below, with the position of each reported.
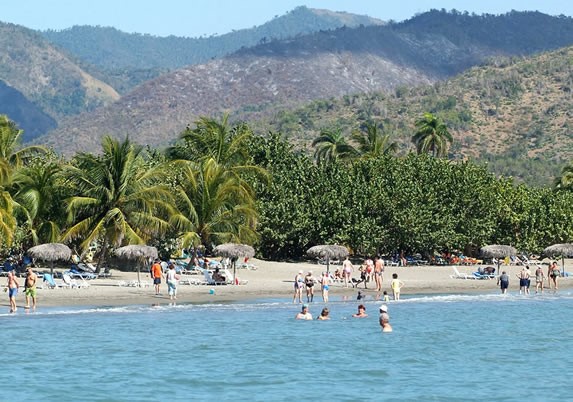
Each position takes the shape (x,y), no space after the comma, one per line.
(257,82)
(50,81)
(124,56)
(515,114)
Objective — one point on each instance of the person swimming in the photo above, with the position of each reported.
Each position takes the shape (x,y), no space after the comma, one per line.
(384,319)
(304,313)
(361,312)
(324,314)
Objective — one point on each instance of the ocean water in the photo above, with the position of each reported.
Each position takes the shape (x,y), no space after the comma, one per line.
(443,348)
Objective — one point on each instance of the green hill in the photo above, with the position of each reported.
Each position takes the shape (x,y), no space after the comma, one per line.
(513,113)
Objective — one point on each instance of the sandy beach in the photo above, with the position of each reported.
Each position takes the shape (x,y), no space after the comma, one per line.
(272,280)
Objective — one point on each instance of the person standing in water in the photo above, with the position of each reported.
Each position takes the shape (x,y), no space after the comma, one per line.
(396,285)
(503,282)
(325,283)
(298,284)
(309,283)
(523,277)
(12,287)
(304,313)
(539,278)
(30,288)
(384,319)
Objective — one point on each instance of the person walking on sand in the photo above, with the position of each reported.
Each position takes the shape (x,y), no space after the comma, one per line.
(298,284)
(172,282)
(539,278)
(12,287)
(309,283)
(378,272)
(30,288)
(503,282)
(325,284)
(347,269)
(156,274)
(396,286)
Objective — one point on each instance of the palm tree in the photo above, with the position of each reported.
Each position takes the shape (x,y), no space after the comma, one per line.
(432,135)
(41,193)
(330,145)
(372,142)
(565,181)
(11,159)
(215,206)
(120,197)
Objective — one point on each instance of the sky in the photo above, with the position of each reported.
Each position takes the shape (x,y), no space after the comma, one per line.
(193,18)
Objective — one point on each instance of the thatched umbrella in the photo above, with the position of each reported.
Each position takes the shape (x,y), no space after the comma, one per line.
(328,252)
(234,251)
(498,251)
(138,253)
(50,252)
(563,250)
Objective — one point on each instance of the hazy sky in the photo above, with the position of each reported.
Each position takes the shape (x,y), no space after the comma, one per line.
(206,17)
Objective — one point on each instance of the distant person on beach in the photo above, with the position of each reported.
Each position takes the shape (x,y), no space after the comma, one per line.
(172,282)
(324,314)
(347,269)
(396,286)
(325,284)
(298,285)
(309,282)
(304,313)
(503,282)
(12,287)
(553,273)
(524,280)
(539,278)
(361,312)
(378,272)
(30,288)
(156,274)
(384,319)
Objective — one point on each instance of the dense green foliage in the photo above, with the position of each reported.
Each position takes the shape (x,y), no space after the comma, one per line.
(220,183)
(416,204)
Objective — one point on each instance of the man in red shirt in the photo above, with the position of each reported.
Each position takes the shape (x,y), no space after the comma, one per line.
(156,274)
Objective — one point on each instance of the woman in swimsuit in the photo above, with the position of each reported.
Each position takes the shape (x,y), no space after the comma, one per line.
(298,284)
(309,282)
(347,271)
(553,273)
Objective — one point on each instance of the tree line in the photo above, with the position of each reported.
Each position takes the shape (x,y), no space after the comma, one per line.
(220,183)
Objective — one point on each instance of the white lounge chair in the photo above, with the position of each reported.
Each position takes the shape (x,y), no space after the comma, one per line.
(209,279)
(69,282)
(460,275)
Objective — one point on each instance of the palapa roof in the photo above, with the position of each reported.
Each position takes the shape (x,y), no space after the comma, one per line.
(564,249)
(332,251)
(234,250)
(136,252)
(498,251)
(50,252)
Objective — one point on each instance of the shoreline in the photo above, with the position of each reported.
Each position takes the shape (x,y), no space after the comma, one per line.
(274,280)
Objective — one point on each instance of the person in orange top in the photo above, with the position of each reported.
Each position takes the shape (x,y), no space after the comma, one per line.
(156,274)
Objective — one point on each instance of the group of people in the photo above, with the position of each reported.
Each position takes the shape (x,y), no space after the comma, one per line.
(370,270)
(524,276)
(12,287)
(171,277)
(383,319)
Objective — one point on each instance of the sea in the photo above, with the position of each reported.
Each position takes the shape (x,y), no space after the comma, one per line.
(478,347)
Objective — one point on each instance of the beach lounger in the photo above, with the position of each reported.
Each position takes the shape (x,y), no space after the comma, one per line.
(460,275)
(74,283)
(209,279)
(50,282)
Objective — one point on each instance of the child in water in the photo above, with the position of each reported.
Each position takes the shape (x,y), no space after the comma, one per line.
(385,297)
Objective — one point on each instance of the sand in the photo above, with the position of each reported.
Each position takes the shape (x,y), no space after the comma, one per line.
(272,280)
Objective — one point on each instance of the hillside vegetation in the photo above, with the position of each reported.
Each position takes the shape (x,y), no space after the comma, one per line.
(515,114)
(128,59)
